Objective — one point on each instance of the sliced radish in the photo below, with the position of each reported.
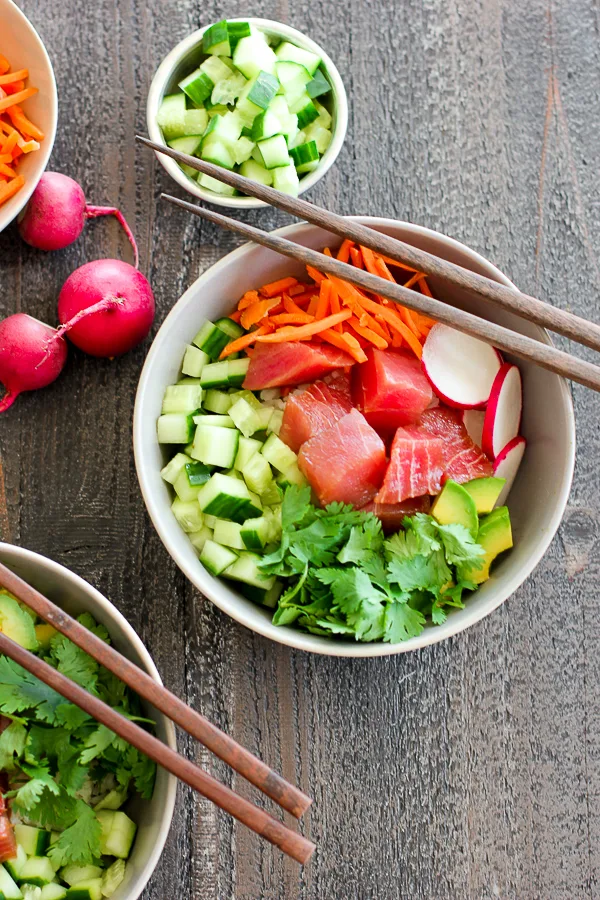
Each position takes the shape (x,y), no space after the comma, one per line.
(461,368)
(473,422)
(503,414)
(507,465)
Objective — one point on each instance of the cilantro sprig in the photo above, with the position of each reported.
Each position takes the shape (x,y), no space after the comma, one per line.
(344,578)
(52,749)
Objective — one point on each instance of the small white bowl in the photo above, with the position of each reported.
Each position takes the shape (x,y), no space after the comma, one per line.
(23,47)
(537,500)
(76,596)
(182,59)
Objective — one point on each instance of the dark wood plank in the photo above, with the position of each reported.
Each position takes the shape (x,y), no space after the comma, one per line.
(470,769)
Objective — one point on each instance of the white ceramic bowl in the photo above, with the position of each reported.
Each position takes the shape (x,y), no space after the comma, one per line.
(23,47)
(186,55)
(75,595)
(538,498)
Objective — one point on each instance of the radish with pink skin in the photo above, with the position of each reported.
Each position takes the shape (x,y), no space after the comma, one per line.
(32,356)
(57,211)
(503,413)
(473,422)
(507,465)
(461,368)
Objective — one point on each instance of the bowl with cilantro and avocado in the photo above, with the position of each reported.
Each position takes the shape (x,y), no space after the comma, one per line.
(83,815)
(251,95)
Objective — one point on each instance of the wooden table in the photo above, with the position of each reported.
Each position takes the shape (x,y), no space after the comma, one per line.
(467,770)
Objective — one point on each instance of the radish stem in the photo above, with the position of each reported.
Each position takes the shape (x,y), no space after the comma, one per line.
(92,212)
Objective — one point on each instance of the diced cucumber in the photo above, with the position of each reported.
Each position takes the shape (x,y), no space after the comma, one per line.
(289,121)
(247,447)
(197,86)
(265,125)
(248,396)
(199,538)
(197,474)
(228,534)
(8,888)
(257,473)
(188,515)
(217,401)
(118,832)
(246,108)
(263,89)
(245,568)
(185,491)
(174,467)
(211,339)
(242,150)
(292,475)
(113,800)
(237,31)
(171,116)
(175,428)
(265,414)
(34,841)
(254,533)
(113,877)
(182,398)
(320,135)
(37,870)
(196,121)
(228,89)
(74,874)
(278,454)
(215,446)
(237,370)
(290,53)
(285,179)
(53,891)
(233,473)
(275,422)
(210,521)
(216,558)
(318,86)
(293,78)
(253,55)
(305,156)
(86,890)
(228,498)
(216,39)
(15,865)
(273,516)
(217,152)
(187,379)
(245,417)
(213,184)
(232,329)
(271,495)
(305,109)
(216,374)
(274,151)
(256,172)
(264,598)
(226,128)
(214,421)
(324,115)
(189,144)
(194,361)
(216,69)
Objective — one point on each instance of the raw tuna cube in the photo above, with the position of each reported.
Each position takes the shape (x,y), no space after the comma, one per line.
(463,459)
(292,362)
(340,381)
(308,412)
(390,389)
(345,462)
(392,514)
(416,466)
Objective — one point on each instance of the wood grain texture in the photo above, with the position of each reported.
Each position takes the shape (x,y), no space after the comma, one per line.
(467,770)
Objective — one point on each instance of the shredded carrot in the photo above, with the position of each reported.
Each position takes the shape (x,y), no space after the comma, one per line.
(18,136)
(256,311)
(291,307)
(299,318)
(311,309)
(15,99)
(345,342)
(357,259)
(343,253)
(278,287)
(304,331)
(6,170)
(324,301)
(297,289)
(393,262)
(242,342)
(10,143)
(248,299)
(21,75)
(315,274)
(10,188)
(367,334)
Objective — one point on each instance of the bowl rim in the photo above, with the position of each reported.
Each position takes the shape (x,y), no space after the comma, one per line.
(16,204)
(203,581)
(156,92)
(12,552)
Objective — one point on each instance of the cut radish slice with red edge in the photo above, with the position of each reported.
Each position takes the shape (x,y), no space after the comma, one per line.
(507,465)
(473,422)
(461,368)
(503,414)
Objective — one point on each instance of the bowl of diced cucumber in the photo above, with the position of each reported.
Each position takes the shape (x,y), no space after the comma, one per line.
(254,96)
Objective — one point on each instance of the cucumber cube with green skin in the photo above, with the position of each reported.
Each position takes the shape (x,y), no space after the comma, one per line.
(285,179)
(217,152)
(305,109)
(245,417)
(182,398)
(263,89)
(197,86)
(228,498)
(304,153)
(265,125)
(253,55)
(215,446)
(186,492)
(257,473)
(290,53)
(216,374)
(113,800)
(237,31)
(211,339)
(324,115)
(199,538)
(246,569)
(275,422)
(216,69)
(174,467)
(237,369)
(318,86)
(271,495)
(213,184)
(86,890)
(256,172)
(247,447)
(274,152)
(319,134)
(54,891)
(194,361)
(188,514)
(226,128)
(255,533)
(217,401)
(214,421)
(8,887)
(112,878)
(118,832)
(216,558)
(292,475)
(197,474)
(73,874)
(37,871)
(248,396)
(13,866)
(242,150)
(215,39)
(195,121)
(171,116)
(228,534)
(175,428)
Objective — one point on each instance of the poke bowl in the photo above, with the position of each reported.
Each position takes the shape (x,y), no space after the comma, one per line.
(536,501)
(151,816)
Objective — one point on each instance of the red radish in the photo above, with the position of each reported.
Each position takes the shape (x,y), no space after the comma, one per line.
(56,213)
(32,355)
(507,465)
(460,368)
(106,306)
(473,421)
(503,414)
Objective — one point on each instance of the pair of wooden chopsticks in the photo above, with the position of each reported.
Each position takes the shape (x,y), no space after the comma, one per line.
(254,770)
(530,308)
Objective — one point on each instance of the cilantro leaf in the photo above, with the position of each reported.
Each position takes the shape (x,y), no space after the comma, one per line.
(80,842)
(20,691)
(460,546)
(402,622)
(296,506)
(28,796)
(74,662)
(12,744)
(420,572)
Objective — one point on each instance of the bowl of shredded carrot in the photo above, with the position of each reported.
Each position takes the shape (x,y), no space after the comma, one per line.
(28,110)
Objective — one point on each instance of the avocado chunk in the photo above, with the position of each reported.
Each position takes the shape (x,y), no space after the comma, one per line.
(485,492)
(455,506)
(495,536)
(15,623)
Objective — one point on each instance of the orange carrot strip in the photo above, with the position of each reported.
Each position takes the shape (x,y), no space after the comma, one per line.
(14,88)
(256,311)
(368,321)
(315,274)
(412,280)
(303,300)
(367,334)
(236,316)
(11,142)
(397,341)
(343,253)
(291,307)
(299,318)
(357,259)
(334,302)
(345,342)
(305,331)
(10,188)
(15,99)
(297,289)
(21,75)
(277,287)
(22,123)
(393,262)
(424,286)
(248,299)
(6,170)
(324,301)
(385,331)
(369,260)
(4,65)
(311,309)
(393,320)
(328,252)
(382,270)
(6,158)
(242,342)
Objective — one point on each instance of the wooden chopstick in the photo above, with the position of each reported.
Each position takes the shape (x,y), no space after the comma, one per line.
(292,843)
(239,758)
(558,320)
(526,348)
